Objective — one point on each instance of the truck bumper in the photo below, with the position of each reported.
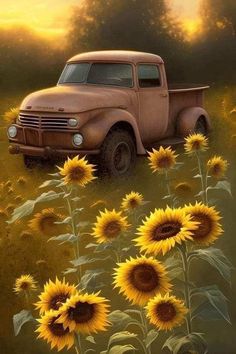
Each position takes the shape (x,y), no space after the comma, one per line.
(47,151)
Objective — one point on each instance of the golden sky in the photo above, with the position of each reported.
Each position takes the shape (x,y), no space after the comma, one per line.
(49,17)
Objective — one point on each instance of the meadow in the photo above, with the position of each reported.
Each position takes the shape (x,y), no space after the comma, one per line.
(26,250)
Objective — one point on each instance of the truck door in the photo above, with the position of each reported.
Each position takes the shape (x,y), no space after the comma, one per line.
(153,102)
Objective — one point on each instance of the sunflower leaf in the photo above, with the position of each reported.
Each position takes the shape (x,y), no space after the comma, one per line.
(20,319)
(67,220)
(120,336)
(217,259)
(206,312)
(70,270)
(89,280)
(151,337)
(86,260)
(120,320)
(120,349)
(180,344)
(216,299)
(64,238)
(90,339)
(49,183)
(224,185)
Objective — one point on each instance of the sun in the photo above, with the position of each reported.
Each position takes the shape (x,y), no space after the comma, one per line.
(191,27)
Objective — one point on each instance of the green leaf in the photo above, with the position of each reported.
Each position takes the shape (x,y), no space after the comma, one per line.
(216,299)
(90,339)
(217,259)
(89,280)
(182,344)
(83,224)
(120,336)
(120,320)
(86,260)
(224,185)
(28,207)
(206,312)
(120,349)
(70,270)
(20,319)
(50,183)
(67,220)
(197,176)
(64,238)
(151,337)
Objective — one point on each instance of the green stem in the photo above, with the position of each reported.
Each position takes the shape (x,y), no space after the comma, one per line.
(78,346)
(202,179)
(144,321)
(206,184)
(184,256)
(168,187)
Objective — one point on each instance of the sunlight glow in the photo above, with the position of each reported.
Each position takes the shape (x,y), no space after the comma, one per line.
(192,28)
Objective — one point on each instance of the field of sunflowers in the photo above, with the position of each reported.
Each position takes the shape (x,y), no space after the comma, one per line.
(143,264)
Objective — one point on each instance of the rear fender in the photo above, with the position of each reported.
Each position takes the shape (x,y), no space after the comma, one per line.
(97,128)
(187,120)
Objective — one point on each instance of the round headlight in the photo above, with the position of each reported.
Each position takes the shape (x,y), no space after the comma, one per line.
(12,131)
(78,139)
(72,122)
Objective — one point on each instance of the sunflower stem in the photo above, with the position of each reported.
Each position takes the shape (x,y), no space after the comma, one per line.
(144,321)
(204,198)
(168,186)
(206,184)
(78,346)
(184,257)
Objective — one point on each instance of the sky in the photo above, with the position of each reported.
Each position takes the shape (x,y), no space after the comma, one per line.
(49,17)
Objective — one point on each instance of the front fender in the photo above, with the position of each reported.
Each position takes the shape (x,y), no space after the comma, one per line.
(97,128)
(187,119)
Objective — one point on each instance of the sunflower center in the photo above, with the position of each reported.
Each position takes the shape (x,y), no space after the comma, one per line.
(77,173)
(144,278)
(47,222)
(165,311)
(25,285)
(57,301)
(196,145)
(164,162)
(216,169)
(57,328)
(133,202)
(167,230)
(204,227)
(82,312)
(112,229)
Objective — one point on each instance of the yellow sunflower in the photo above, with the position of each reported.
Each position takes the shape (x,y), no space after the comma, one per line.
(140,279)
(77,171)
(44,222)
(109,225)
(54,295)
(166,312)
(25,283)
(162,159)
(183,189)
(132,201)
(217,167)
(11,116)
(86,313)
(195,143)
(53,332)
(163,229)
(209,228)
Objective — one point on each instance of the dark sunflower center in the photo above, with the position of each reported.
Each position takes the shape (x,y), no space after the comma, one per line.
(77,173)
(82,312)
(167,230)
(216,169)
(144,278)
(196,145)
(58,300)
(48,222)
(164,162)
(112,229)
(204,227)
(133,202)
(166,312)
(25,285)
(57,329)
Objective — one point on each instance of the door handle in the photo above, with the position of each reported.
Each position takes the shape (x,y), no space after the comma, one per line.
(163,94)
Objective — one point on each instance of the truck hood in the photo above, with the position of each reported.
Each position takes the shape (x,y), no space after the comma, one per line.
(75,99)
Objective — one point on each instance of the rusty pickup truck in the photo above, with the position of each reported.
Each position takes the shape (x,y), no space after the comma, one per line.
(113,104)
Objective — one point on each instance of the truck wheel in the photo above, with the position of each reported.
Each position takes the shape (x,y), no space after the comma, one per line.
(200,126)
(118,153)
(31,161)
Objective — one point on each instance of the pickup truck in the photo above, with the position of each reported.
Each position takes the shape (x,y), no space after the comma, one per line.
(113,104)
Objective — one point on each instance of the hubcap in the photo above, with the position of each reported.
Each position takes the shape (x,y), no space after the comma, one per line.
(122,157)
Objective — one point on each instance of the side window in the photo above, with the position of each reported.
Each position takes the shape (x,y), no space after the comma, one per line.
(148,75)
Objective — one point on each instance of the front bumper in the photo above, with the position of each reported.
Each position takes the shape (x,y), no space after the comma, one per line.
(48,151)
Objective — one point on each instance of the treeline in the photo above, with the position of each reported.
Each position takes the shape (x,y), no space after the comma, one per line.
(27,61)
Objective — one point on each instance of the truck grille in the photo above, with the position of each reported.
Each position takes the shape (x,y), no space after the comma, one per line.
(46,123)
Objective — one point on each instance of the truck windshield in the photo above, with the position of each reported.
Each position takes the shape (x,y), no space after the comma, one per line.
(98,74)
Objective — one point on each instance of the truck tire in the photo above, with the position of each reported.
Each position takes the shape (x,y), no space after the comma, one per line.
(200,126)
(31,161)
(118,153)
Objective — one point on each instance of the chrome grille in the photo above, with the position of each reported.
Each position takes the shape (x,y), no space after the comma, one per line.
(34,121)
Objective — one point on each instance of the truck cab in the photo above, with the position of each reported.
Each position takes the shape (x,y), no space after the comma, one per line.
(112,104)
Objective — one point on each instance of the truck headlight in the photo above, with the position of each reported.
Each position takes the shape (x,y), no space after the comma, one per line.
(12,131)
(78,139)
(72,122)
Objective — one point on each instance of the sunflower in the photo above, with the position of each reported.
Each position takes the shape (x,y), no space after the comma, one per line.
(86,313)
(54,295)
(132,201)
(183,189)
(109,225)
(163,229)
(162,159)
(195,143)
(11,116)
(140,279)
(25,283)
(53,332)
(77,171)
(217,167)
(209,228)
(44,222)
(166,312)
